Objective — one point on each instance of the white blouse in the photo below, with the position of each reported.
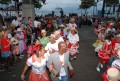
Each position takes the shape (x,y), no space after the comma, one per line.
(73,38)
(50,46)
(37,67)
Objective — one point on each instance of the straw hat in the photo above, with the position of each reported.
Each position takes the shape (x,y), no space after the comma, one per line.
(113,74)
(19,29)
(102,28)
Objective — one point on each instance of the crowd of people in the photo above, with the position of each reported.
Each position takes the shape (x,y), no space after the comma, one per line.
(50,44)
(107,48)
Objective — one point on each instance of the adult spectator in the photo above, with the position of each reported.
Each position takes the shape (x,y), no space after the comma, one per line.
(36,22)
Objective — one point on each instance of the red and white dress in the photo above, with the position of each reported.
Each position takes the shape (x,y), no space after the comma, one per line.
(72,47)
(104,57)
(38,72)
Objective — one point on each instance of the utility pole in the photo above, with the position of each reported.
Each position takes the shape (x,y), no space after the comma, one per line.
(28,9)
(103,8)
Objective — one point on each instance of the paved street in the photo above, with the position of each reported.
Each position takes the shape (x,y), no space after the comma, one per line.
(84,65)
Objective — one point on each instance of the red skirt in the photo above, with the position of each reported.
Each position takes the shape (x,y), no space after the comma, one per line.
(38,77)
(72,49)
(104,58)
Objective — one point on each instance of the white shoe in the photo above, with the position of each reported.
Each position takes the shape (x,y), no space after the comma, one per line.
(98,69)
(75,57)
(101,65)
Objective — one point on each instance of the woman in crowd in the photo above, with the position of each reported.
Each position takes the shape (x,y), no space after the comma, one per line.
(15,46)
(73,39)
(38,63)
(29,33)
(30,21)
(24,21)
(5,50)
(72,23)
(33,48)
(58,36)
(20,38)
(98,44)
(44,40)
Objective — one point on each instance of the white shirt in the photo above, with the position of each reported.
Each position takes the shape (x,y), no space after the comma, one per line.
(73,38)
(36,24)
(37,67)
(62,71)
(60,40)
(72,25)
(65,32)
(15,22)
(112,30)
(14,41)
(49,48)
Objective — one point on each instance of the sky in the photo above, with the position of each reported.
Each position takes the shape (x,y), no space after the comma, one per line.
(68,6)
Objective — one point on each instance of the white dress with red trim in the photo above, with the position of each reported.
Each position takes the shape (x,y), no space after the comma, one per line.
(38,72)
(72,47)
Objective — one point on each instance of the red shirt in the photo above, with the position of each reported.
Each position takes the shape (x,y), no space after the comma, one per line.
(118,26)
(115,44)
(5,42)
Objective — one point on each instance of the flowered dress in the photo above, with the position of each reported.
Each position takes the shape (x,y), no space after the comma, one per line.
(15,46)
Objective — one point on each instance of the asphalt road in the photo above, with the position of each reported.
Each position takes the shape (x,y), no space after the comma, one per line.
(84,66)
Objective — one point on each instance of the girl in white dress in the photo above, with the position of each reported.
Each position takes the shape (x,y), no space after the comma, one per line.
(73,40)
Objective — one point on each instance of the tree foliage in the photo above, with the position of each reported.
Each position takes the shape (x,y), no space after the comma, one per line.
(5,1)
(110,3)
(85,4)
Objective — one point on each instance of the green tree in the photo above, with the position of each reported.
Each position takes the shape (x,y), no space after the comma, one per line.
(85,4)
(5,1)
